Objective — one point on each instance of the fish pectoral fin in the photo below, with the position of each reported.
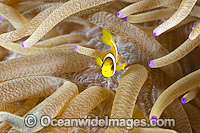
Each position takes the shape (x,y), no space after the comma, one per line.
(121,66)
(99,61)
(107,37)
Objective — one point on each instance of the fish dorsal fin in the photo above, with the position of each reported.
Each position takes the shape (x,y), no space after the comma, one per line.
(99,61)
(108,39)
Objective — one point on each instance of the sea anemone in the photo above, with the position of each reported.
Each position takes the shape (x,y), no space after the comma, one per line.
(48,70)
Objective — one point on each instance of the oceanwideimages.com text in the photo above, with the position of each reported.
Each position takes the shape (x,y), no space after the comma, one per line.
(46,121)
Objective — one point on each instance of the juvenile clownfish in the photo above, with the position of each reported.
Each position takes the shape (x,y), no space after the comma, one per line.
(109,63)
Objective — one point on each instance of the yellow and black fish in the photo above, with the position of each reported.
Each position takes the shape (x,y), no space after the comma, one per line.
(109,63)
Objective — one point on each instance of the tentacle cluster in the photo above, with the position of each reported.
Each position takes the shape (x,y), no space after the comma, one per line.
(183,8)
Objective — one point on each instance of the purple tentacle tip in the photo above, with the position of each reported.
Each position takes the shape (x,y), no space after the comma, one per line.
(24,45)
(183,100)
(1,17)
(192,26)
(150,63)
(119,14)
(75,47)
(125,19)
(155,33)
(153,118)
(190,38)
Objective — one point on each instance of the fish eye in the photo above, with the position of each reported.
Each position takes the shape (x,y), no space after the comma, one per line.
(112,68)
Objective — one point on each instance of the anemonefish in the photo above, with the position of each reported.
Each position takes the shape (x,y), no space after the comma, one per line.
(109,63)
